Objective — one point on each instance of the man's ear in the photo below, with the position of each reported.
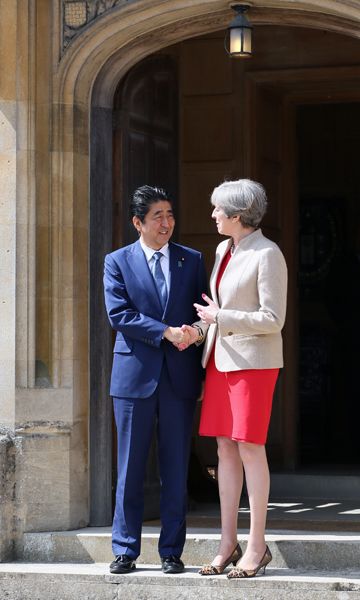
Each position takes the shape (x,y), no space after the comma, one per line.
(137,224)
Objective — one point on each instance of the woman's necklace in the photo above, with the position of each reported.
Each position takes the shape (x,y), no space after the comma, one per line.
(232,249)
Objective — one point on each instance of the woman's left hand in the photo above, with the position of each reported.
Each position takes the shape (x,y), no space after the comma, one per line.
(208,313)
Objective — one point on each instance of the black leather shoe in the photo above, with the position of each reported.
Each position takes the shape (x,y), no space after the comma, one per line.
(172,564)
(122,564)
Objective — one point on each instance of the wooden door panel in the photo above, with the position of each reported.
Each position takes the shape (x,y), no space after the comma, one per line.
(145,136)
(163,106)
(208,132)
(163,168)
(268,164)
(138,165)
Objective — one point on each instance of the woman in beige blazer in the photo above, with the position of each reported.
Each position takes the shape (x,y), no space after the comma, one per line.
(241,329)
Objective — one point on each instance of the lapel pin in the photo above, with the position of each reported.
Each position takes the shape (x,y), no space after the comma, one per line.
(180,262)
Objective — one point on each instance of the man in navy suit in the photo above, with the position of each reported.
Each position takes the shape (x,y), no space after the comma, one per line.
(150,288)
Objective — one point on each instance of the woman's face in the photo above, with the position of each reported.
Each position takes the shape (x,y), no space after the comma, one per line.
(225,226)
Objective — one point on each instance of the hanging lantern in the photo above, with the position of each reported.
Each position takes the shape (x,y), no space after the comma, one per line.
(238,39)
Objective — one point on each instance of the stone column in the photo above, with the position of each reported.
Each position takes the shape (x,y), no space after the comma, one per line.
(50,420)
(37,466)
(8,187)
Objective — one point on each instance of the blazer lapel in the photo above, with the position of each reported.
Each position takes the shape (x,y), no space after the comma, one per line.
(214,275)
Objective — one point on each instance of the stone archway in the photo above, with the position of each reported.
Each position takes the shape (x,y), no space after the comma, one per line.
(81,175)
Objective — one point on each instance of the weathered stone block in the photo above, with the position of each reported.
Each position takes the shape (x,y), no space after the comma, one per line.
(7,487)
(51,478)
(42,475)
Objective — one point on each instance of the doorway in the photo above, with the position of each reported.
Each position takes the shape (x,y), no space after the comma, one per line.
(317,189)
(213,144)
(264,148)
(328,143)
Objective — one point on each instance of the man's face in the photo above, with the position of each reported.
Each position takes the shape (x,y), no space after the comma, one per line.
(158,225)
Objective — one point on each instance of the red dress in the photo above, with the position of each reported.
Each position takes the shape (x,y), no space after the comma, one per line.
(237,404)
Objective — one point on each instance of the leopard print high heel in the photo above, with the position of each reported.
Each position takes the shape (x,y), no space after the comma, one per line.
(239,573)
(218,569)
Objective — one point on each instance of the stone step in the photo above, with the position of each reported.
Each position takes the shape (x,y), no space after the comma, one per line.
(91,582)
(316,485)
(300,550)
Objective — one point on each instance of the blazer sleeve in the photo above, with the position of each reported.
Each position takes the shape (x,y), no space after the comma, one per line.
(203,288)
(272,290)
(122,314)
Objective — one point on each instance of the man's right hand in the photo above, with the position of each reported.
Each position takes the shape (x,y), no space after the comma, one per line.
(192,334)
(176,335)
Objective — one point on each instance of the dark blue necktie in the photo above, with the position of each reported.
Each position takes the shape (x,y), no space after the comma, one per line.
(159,278)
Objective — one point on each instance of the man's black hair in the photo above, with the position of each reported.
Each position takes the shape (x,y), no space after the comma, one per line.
(142,199)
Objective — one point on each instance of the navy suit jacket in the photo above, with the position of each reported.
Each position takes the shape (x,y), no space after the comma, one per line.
(135,312)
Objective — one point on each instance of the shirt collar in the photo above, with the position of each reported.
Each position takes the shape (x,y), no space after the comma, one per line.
(149,252)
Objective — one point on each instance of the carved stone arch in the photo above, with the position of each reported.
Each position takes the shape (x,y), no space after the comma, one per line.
(91,11)
(84,87)
(137,29)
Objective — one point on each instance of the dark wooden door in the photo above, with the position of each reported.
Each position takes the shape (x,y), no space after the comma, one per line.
(145,147)
(329,283)
(145,137)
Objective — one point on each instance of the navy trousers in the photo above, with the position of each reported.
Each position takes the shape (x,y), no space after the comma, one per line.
(135,419)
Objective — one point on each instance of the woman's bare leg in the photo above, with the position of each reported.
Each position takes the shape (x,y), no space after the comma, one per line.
(230,480)
(257,476)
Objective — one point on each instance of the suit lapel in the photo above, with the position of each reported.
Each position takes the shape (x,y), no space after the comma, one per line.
(176,268)
(141,270)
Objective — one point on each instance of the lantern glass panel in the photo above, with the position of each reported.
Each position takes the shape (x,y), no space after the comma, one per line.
(247,40)
(235,41)
(240,41)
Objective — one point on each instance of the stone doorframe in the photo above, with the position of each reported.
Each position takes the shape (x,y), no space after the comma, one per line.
(81,185)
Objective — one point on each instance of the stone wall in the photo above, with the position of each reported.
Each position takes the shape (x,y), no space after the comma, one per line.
(7,495)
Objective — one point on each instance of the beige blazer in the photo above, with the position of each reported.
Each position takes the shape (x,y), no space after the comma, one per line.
(252,300)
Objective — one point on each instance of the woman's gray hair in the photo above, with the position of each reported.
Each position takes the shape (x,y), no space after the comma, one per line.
(243,197)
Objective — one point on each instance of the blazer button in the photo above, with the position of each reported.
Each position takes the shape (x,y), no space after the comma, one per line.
(230,333)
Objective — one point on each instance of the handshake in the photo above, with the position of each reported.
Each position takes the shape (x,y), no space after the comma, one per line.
(182,337)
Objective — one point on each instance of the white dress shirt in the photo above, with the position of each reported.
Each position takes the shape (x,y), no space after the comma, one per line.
(164,260)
